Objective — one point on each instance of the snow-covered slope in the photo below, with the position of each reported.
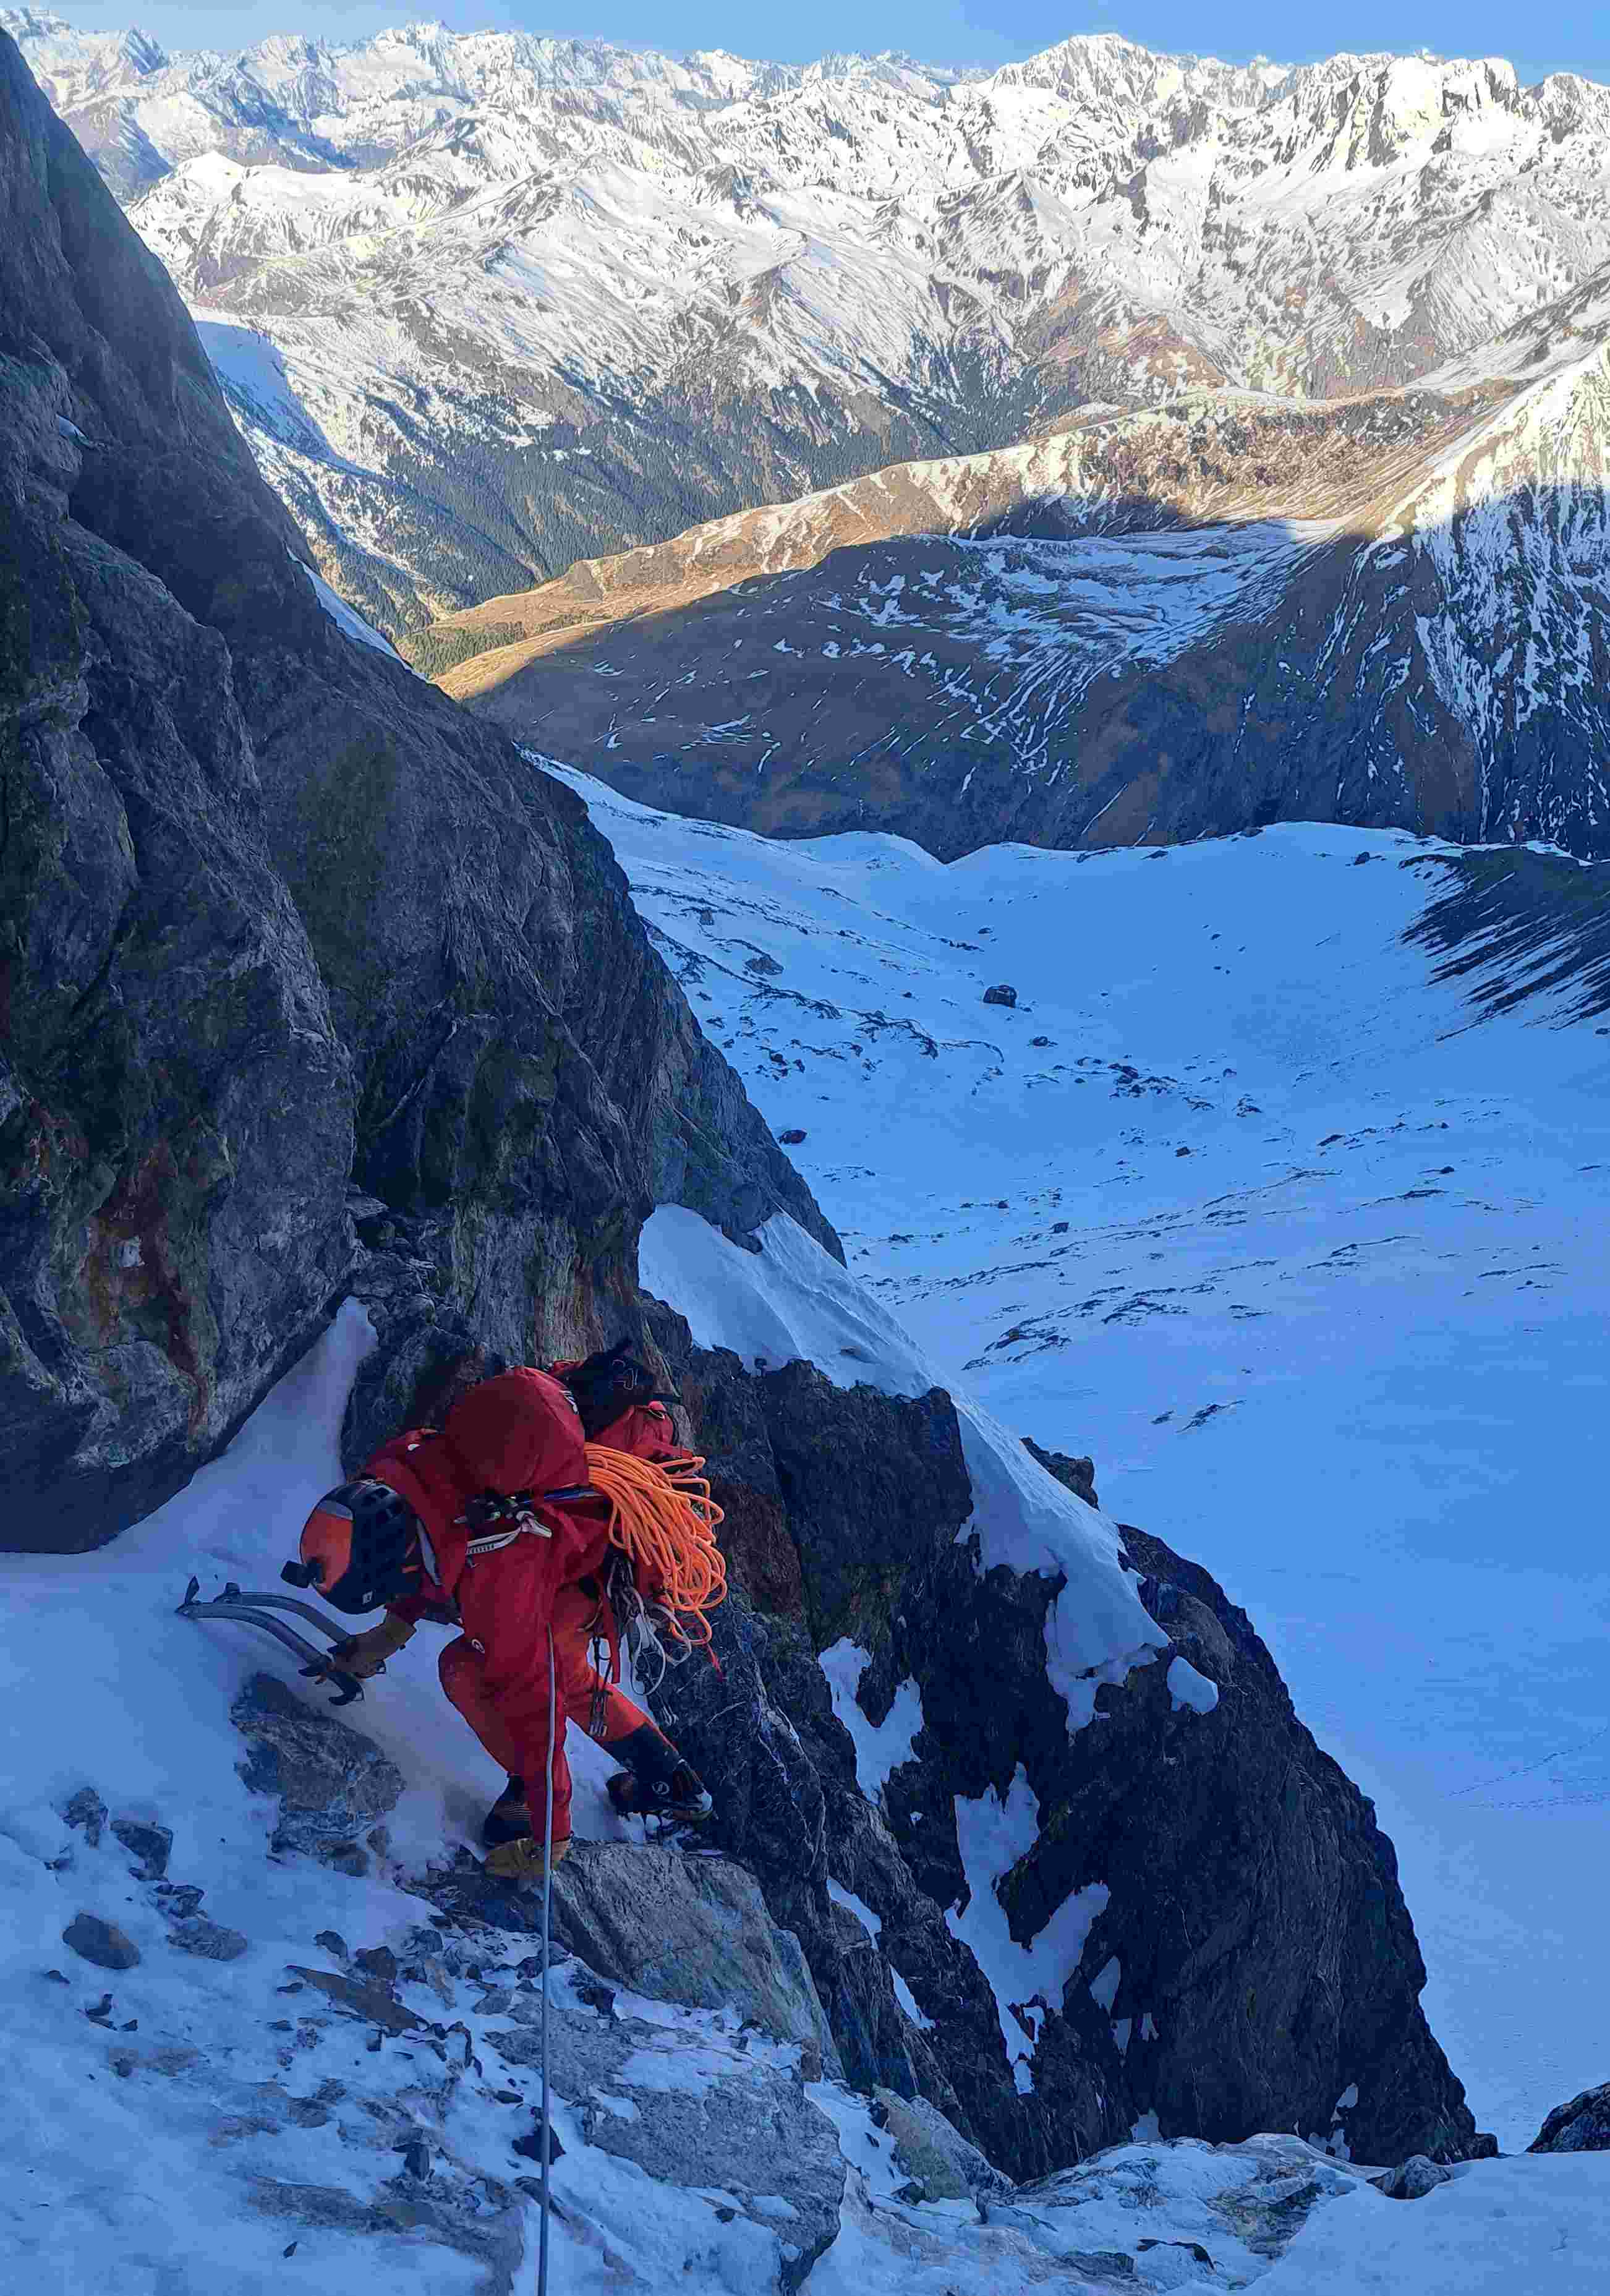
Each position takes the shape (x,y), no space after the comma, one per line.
(535,297)
(311,2078)
(1243,1196)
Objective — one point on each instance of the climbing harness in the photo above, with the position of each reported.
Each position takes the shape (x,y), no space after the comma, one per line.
(257,1611)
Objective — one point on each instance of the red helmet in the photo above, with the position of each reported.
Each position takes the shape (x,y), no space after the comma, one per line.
(360,1547)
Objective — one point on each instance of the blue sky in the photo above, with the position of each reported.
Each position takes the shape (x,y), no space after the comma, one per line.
(961,31)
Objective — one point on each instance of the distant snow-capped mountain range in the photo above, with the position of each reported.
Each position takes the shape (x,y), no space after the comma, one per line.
(490,303)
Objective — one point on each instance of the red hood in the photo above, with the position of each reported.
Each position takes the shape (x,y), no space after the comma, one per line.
(518,1431)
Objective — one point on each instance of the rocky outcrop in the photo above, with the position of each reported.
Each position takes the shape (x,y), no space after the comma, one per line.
(278,925)
(1582,2126)
(1249,1962)
(175,1105)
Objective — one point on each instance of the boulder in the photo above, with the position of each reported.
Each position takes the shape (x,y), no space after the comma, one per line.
(1582,2126)
(1413,2178)
(330,1782)
(933,2156)
(1002,993)
(690,1930)
(370,2002)
(100,1941)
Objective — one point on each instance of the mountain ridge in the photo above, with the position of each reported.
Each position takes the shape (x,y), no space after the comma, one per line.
(492,305)
(1151,626)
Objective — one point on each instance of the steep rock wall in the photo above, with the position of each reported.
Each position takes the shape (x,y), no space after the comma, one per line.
(1267,1970)
(280,923)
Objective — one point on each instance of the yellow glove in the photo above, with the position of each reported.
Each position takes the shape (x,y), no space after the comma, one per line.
(522,1860)
(365,1654)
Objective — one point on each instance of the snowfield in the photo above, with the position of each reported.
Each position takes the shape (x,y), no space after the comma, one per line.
(1240,1198)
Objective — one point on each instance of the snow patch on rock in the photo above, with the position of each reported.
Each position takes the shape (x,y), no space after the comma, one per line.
(994,1835)
(1189,1689)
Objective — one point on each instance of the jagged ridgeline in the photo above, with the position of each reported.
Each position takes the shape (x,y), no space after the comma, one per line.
(314,991)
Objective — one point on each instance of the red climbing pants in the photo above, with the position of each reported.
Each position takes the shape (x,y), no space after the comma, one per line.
(508,1737)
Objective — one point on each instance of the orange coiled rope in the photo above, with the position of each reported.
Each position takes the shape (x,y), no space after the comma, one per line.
(663,1520)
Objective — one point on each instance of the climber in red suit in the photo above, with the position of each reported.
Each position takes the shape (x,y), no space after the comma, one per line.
(495,1522)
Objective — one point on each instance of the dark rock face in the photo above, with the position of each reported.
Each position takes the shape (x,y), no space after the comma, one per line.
(274,917)
(1267,1965)
(847,1461)
(1078,1474)
(175,1110)
(1582,2126)
(1255,1898)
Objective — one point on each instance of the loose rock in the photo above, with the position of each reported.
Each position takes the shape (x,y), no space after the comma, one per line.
(178,1898)
(87,1810)
(101,1942)
(368,2002)
(210,1940)
(151,1844)
(1002,993)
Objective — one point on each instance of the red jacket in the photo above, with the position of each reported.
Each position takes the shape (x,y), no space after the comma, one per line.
(516,1433)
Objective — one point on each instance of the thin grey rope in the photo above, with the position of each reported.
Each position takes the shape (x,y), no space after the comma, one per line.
(541,2258)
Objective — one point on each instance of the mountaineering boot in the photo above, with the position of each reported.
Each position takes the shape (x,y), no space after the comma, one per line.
(659,1783)
(508,1818)
(523,1861)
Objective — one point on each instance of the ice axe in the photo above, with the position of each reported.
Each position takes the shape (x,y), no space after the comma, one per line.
(257,1611)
